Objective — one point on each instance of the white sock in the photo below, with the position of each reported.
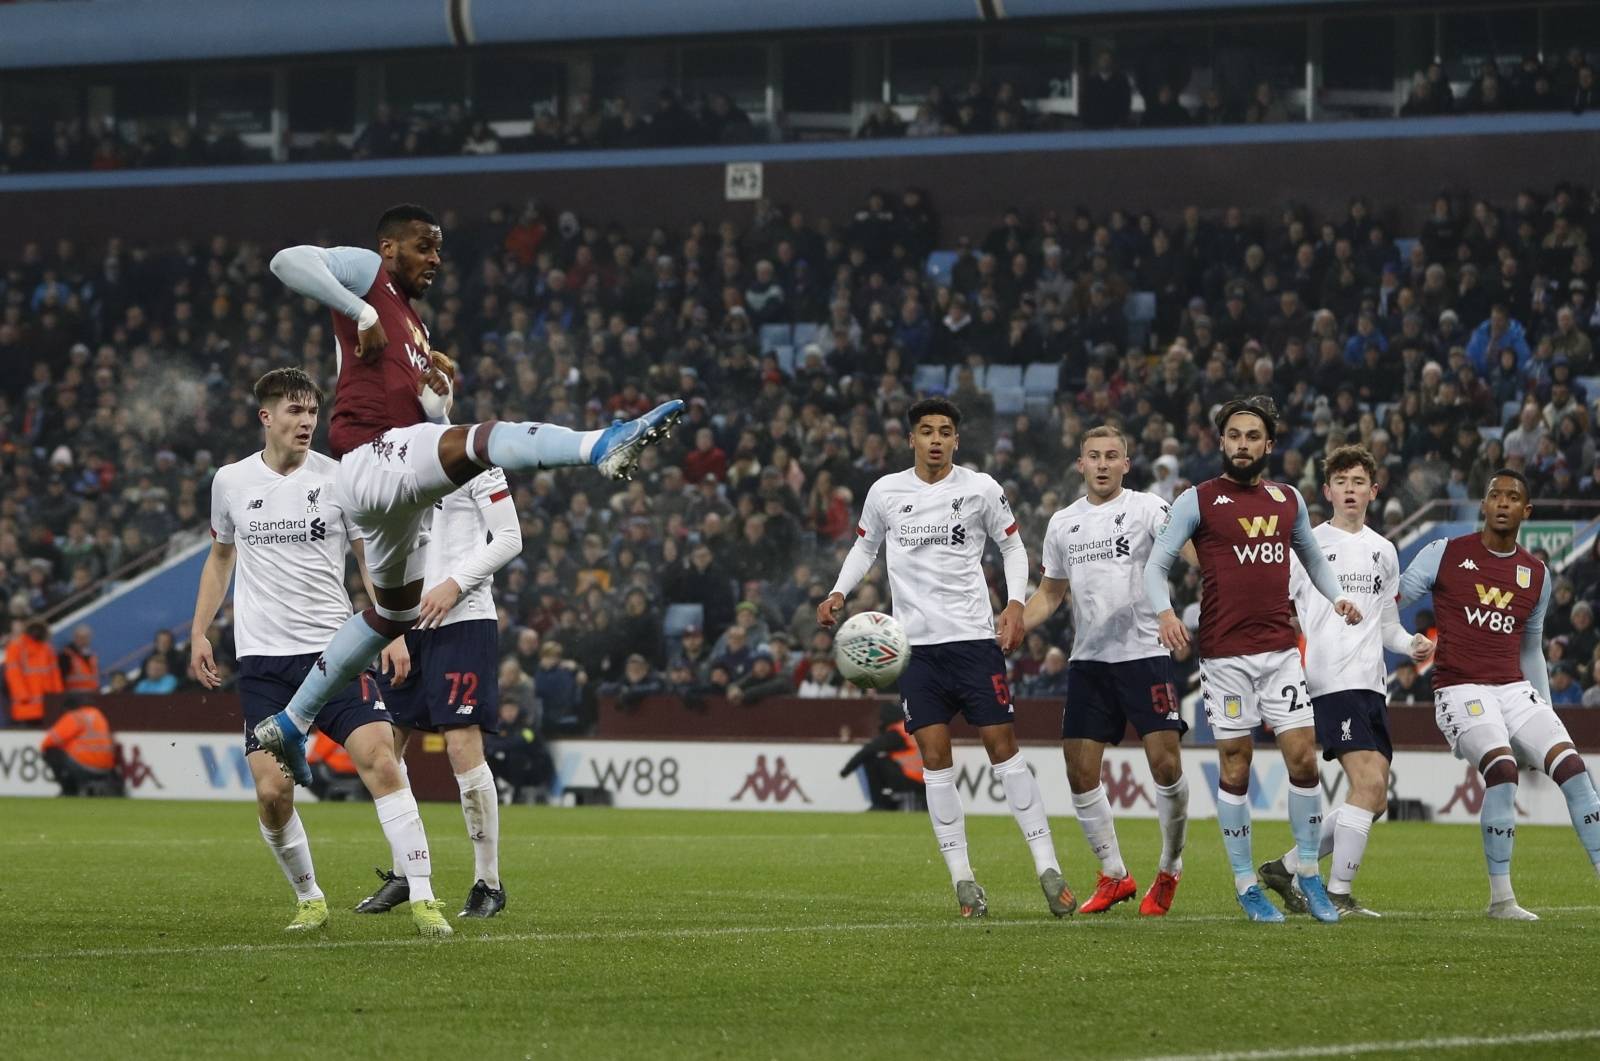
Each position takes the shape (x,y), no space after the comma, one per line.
(1172,808)
(1349,844)
(949,821)
(1094,815)
(1330,822)
(480,805)
(1027,807)
(292,849)
(397,813)
(1500,888)
(399,861)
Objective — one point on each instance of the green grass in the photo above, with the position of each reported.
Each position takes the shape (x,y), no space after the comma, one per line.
(155,930)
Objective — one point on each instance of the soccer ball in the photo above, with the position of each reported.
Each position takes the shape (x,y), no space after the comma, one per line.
(871,650)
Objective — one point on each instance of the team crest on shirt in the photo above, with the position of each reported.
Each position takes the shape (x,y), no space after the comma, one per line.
(1274,493)
(1232,706)
(955,505)
(1524,576)
(1377,558)
(1120,517)
(312,497)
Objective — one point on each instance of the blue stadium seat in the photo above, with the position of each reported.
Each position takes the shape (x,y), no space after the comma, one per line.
(939,265)
(1403,247)
(775,335)
(1038,406)
(1509,411)
(1041,378)
(785,356)
(1008,401)
(979,376)
(1591,386)
(680,617)
(1140,311)
(805,333)
(928,379)
(1003,377)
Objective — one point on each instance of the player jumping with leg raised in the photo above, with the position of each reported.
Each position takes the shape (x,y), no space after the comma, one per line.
(1491,689)
(937,518)
(1243,528)
(1120,674)
(395,458)
(1347,677)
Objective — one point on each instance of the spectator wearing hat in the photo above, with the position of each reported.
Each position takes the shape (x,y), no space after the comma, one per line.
(638,681)
(762,681)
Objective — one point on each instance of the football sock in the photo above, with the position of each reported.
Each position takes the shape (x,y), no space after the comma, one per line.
(1094,815)
(291,847)
(1233,816)
(1305,821)
(480,805)
(1027,807)
(397,813)
(1172,809)
(526,447)
(1499,821)
(1330,820)
(1352,824)
(949,821)
(1583,804)
(351,651)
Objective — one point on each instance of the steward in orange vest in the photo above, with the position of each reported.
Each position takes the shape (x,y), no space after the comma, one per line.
(80,667)
(890,762)
(32,673)
(79,751)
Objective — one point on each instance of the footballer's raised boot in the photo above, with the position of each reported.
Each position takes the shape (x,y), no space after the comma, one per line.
(1349,906)
(391,893)
(483,901)
(1108,892)
(1276,876)
(1158,900)
(1318,905)
(309,915)
(1256,907)
(971,899)
(280,738)
(1508,910)
(1057,894)
(617,452)
(428,916)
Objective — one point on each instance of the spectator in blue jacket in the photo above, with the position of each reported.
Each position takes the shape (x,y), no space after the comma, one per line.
(1483,349)
(559,684)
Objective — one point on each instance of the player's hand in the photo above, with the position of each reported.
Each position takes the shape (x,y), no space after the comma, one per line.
(395,661)
(371,340)
(1172,633)
(828,610)
(1011,631)
(437,602)
(203,663)
(1347,609)
(734,694)
(438,376)
(1421,648)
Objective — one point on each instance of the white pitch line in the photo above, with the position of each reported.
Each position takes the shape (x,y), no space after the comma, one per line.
(1436,1045)
(713,932)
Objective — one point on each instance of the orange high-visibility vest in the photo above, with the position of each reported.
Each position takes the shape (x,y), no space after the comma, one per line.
(82,671)
(85,735)
(32,673)
(325,749)
(908,758)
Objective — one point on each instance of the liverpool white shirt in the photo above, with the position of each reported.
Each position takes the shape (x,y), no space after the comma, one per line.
(1101,551)
(459,531)
(1340,656)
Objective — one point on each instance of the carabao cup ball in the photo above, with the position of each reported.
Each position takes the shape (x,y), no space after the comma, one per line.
(871,650)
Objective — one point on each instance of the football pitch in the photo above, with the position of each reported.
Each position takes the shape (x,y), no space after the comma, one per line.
(147,929)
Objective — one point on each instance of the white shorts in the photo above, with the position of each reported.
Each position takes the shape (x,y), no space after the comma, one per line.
(1242,692)
(1476,719)
(388,488)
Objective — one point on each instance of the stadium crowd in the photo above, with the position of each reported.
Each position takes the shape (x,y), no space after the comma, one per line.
(1449,344)
(1108,95)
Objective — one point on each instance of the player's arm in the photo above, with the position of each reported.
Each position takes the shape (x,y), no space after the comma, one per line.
(1395,636)
(1183,519)
(1044,602)
(1318,571)
(214,579)
(504,545)
(1533,665)
(337,277)
(870,532)
(1014,561)
(1423,571)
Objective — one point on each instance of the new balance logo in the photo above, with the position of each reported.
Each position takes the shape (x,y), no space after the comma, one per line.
(1494,595)
(1074,529)
(1222,499)
(1256,526)
(907,509)
(1468,565)
(1333,558)
(255,504)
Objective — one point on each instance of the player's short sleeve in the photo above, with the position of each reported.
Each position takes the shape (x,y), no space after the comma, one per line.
(1001,521)
(1298,582)
(221,516)
(1155,512)
(490,487)
(1054,550)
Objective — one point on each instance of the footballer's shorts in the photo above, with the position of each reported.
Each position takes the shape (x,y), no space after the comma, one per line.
(454,679)
(1476,719)
(266,684)
(1242,692)
(966,678)
(388,488)
(1353,720)
(1104,698)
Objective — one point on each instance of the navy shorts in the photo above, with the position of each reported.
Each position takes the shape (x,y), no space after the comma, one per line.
(266,684)
(966,678)
(1352,720)
(455,678)
(1103,698)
